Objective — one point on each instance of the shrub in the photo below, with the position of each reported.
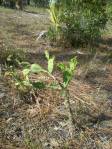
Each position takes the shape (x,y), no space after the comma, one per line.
(78,20)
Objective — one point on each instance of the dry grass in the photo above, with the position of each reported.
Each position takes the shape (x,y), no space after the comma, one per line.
(20,29)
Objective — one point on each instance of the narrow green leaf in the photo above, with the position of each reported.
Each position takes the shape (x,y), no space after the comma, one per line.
(66,78)
(47,55)
(51,64)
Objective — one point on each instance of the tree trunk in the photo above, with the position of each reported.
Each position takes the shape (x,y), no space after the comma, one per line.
(19,4)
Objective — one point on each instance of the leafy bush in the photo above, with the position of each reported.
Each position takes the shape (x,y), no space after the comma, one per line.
(78,20)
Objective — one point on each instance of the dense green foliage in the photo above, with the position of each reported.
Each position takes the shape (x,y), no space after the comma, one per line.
(41,3)
(8,3)
(78,20)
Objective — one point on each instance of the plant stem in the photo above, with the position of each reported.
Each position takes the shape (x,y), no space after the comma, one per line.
(70,115)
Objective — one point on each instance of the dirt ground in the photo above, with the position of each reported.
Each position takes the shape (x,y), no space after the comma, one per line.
(23,125)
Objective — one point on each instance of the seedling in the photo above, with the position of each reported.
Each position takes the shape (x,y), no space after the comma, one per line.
(67,72)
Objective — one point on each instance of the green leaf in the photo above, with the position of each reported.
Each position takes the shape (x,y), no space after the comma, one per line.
(61,66)
(73,64)
(35,68)
(9,58)
(47,55)
(38,85)
(26,72)
(66,78)
(51,64)
(67,71)
(25,64)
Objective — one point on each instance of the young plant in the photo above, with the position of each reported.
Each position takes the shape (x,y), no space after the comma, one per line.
(67,72)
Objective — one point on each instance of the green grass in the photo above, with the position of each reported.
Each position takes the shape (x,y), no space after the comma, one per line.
(6,10)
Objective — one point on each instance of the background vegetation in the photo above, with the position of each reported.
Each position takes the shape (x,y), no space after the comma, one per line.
(79,21)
